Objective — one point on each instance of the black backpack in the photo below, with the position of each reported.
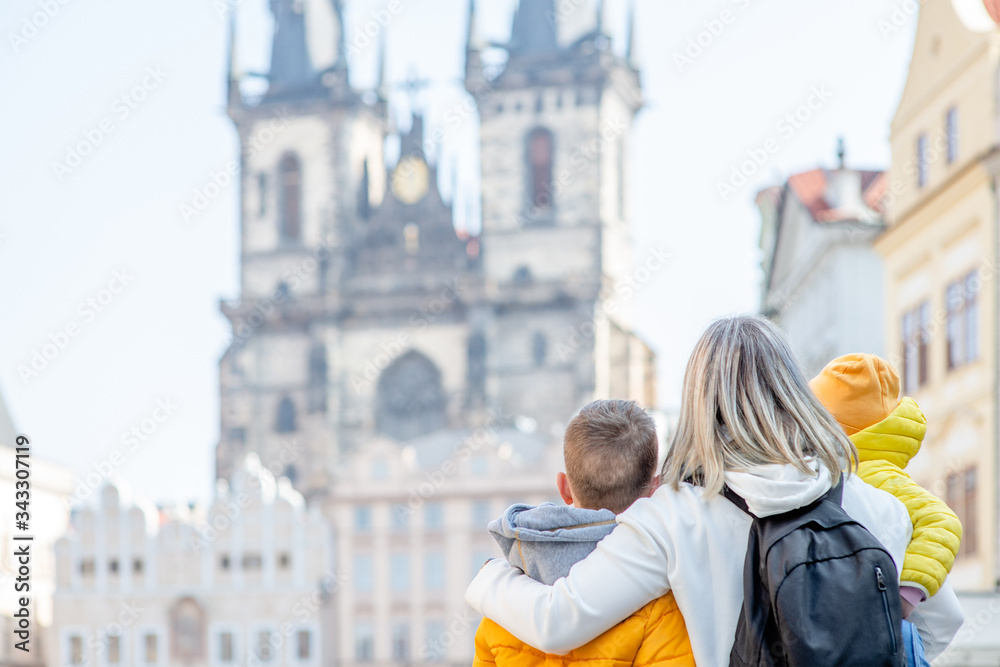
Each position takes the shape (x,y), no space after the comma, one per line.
(818,589)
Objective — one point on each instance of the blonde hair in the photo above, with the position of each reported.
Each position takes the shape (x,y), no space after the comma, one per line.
(746,402)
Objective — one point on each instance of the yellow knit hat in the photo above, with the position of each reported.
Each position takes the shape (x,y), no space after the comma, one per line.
(860,390)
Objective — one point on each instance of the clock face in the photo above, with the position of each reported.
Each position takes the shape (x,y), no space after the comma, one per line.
(410,180)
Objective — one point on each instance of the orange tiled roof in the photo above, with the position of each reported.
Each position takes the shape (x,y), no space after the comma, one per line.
(810,189)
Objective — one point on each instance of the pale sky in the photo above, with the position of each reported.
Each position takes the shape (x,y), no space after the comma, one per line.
(107,227)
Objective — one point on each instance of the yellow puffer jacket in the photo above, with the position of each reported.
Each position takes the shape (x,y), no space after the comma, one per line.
(884,451)
(653,636)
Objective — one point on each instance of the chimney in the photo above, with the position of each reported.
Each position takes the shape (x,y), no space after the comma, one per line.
(843,186)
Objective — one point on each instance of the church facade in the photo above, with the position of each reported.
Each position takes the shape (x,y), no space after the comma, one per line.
(425,373)
(393,383)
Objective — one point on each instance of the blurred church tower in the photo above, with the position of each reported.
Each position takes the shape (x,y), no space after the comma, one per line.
(411,379)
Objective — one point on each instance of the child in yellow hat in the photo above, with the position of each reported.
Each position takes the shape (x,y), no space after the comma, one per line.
(862,392)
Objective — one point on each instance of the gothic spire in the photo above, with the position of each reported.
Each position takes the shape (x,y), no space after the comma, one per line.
(338,14)
(291,64)
(534,29)
(631,48)
(471,35)
(232,77)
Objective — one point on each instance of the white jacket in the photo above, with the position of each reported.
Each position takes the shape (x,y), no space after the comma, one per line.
(681,541)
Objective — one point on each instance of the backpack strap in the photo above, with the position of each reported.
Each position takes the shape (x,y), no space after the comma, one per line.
(836,494)
(737,500)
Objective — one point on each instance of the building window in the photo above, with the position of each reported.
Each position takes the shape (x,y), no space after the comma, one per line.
(951,123)
(113,566)
(916,346)
(224,562)
(399,573)
(434,516)
(401,641)
(476,371)
(963,320)
(137,565)
(285,421)
(481,514)
(114,650)
(540,152)
(364,575)
(434,571)
(620,169)
(265,651)
(922,165)
(262,194)
(187,631)
(961,498)
(400,518)
(303,645)
(151,648)
(87,567)
(363,518)
(317,378)
(291,197)
(284,560)
(226,647)
(539,348)
(411,238)
(364,641)
(76,650)
(522,275)
(479,466)
(252,561)
(434,643)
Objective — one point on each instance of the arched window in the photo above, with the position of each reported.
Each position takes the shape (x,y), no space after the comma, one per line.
(540,149)
(290,206)
(410,401)
(286,421)
(187,620)
(539,348)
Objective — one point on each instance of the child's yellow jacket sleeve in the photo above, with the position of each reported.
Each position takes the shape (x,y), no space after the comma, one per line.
(937,532)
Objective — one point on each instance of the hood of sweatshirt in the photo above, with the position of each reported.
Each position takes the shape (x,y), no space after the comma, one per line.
(775,488)
(895,439)
(545,541)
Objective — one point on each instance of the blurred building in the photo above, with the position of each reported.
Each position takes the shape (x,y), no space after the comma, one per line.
(822,276)
(50,486)
(248,582)
(941,261)
(410,379)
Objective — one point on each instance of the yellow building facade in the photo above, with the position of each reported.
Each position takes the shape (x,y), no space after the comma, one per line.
(941,267)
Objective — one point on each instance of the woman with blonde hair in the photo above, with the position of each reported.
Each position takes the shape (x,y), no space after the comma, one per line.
(748,421)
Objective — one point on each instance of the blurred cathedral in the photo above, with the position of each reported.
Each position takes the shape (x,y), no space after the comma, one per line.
(394,345)
(408,380)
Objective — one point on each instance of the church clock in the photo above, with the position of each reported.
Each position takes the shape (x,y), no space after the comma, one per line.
(411,179)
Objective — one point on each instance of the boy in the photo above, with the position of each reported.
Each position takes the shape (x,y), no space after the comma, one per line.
(611,451)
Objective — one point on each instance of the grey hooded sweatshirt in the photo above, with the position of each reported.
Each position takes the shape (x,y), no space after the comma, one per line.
(547,540)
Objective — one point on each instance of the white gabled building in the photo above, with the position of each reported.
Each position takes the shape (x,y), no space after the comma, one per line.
(50,486)
(823,280)
(246,582)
